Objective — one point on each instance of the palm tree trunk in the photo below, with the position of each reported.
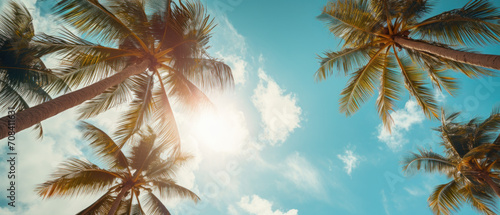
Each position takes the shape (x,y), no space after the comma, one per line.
(118,199)
(492,184)
(482,60)
(31,116)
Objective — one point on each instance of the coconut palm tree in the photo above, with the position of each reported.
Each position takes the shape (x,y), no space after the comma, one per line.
(24,78)
(387,44)
(472,151)
(123,179)
(152,50)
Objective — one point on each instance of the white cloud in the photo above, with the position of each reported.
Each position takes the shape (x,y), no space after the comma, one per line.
(403,120)
(257,206)
(279,111)
(303,174)
(384,202)
(350,160)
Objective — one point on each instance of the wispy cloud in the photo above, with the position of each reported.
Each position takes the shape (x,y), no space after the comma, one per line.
(303,174)
(350,160)
(384,202)
(279,111)
(256,205)
(403,120)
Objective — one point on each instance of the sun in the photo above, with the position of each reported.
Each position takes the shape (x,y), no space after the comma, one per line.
(221,130)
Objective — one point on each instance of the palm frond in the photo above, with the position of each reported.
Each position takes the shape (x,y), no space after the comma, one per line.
(94,19)
(343,61)
(480,199)
(155,206)
(76,177)
(133,15)
(446,198)
(474,24)
(389,92)
(100,206)
(139,110)
(164,121)
(169,189)
(351,21)
(107,150)
(112,97)
(414,82)
(362,84)
(428,161)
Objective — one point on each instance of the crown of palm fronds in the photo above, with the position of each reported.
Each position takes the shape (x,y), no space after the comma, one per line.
(172,37)
(472,150)
(144,172)
(374,60)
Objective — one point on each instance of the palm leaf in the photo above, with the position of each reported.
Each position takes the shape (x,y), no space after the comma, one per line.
(76,177)
(474,24)
(446,198)
(100,206)
(107,150)
(389,90)
(429,161)
(112,97)
(480,199)
(343,61)
(154,205)
(168,189)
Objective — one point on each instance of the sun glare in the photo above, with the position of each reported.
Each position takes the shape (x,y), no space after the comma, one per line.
(221,131)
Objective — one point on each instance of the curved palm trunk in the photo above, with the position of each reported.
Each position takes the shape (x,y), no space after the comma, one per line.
(118,200)
(482,60)
(492,184)
(31,116)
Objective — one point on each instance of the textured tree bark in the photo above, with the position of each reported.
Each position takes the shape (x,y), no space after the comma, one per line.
(118,199)
(31,116)
(482,60)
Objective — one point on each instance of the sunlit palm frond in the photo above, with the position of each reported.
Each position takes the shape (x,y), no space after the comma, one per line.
(428,161)
(76,177)
(414,82)
(208,73)
(474,24)
(169,189)
(446,199)
(185,91)
(92,18)
(100,206)
(139,110)
(154,205)
(362,84)
(390,90)
(107,150)
(343,61)
(411,11)
(144,152)
(165,124)
(133,15)
(351,21)
(112,97)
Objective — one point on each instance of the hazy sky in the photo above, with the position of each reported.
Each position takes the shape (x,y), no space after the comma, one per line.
(278,143)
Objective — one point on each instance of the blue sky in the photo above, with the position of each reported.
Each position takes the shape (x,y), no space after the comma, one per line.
(283,146)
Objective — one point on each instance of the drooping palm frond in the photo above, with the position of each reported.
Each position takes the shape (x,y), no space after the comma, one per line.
(76,177)
(104,146)
(168,188)
(446,199)
(428,161)
(474,24)
(100,206)
(112,97)
(343,61)
(389,91)
(480,199)
(155,206)
(361,85)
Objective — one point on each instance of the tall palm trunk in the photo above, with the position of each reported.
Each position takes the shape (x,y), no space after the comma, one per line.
(118,199)
(482,60)
(31,116)
(492,184)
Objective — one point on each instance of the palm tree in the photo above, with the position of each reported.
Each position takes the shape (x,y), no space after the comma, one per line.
(149,57)
(24,79)
(472,150)
(385,38)
(124,179)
